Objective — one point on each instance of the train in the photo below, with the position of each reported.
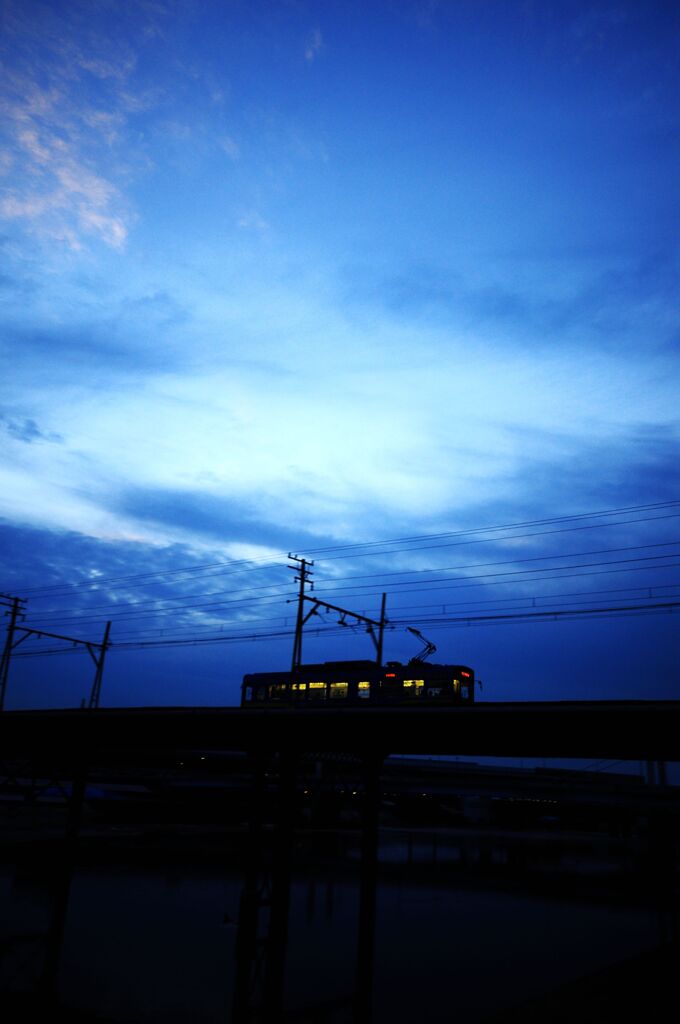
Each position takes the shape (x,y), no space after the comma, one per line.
(360,684)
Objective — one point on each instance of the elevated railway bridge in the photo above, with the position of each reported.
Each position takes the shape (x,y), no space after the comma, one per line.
(75,741)
(628,730)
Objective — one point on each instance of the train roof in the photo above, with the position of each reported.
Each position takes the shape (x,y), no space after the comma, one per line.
(364,665)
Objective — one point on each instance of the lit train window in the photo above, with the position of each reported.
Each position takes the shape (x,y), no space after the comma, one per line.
(317,690)
(414,687)
(339,690)
(364,689)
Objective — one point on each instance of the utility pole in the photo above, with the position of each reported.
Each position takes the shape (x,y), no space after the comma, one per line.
(381,631)
(15,605)
(97,651)
(343,613)
(304,576)
(99,663)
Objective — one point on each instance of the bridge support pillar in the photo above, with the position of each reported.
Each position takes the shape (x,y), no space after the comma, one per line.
(261,956)
(49,985)
(371,767)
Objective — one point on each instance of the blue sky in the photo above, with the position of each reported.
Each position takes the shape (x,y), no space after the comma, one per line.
(294,275)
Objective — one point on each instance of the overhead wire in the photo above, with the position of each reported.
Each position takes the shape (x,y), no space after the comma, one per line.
(517,536)
(145,579)
(253,564)
(670,503)
(189,617)
(547,615)
(487,580)
(187,623)
(120,609)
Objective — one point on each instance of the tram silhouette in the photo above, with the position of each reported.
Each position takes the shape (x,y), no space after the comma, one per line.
(361,684)
(357,683)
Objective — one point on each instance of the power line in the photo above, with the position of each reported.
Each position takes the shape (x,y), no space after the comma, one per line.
(227,567)
(188,625)
(192,605)
(482,580)
(516,561)
(523,613)
(160,618)
(547,615)
(148,578)
(671,503)
(73,614)
(490,579)
(514,536)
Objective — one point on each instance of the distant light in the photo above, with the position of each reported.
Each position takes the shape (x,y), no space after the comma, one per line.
(466,674)
(390,675)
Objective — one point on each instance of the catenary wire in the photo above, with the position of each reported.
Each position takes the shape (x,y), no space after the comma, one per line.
(251,564)
(44,612)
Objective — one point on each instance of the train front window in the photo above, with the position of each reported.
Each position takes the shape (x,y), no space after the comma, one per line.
(278,691)
(339,690)
(363,689)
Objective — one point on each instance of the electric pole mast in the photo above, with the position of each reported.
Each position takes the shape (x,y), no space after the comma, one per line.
(16,609)
(99,666)
(381,631)
(97,651)
(304,576)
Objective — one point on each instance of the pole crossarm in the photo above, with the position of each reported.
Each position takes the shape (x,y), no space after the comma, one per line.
(97,652)
(316,603)
(29,631)
(334,608)
(304,576)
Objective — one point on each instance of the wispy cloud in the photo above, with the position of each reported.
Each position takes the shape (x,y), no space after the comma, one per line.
(592,28)
(213,517)
(253,221)
(66,97)
(613,305)
(26,429)
(314,45)
(230,147)
(55,191)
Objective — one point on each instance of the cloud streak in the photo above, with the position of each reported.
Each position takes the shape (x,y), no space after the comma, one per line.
(314,45)
(617,303)
(26,429)
(66,102)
